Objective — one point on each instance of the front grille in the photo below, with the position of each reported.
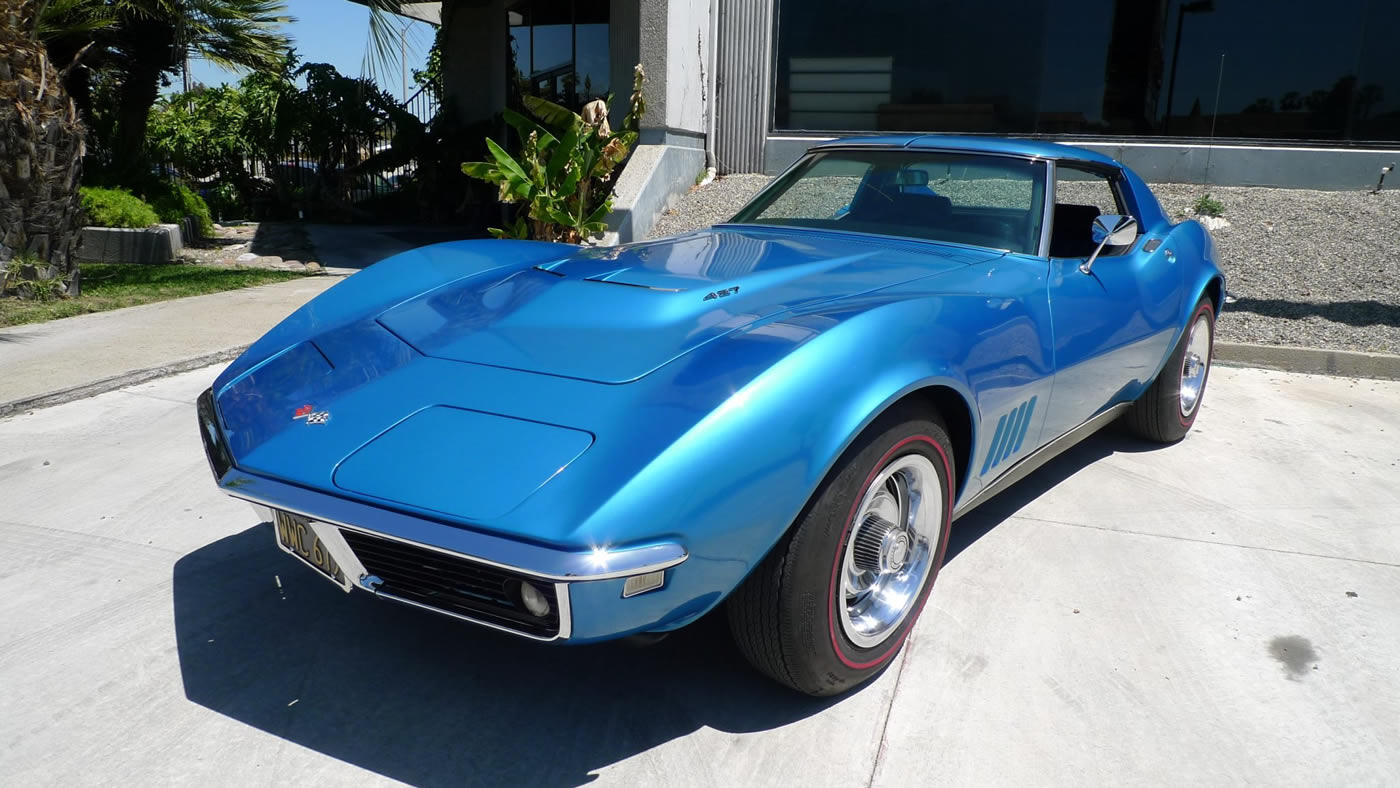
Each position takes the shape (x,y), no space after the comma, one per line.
(454,584)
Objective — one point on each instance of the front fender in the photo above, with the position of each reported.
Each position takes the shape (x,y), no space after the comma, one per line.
(1197,251)
(737,479)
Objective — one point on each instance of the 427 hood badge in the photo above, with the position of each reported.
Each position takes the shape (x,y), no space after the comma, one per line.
(312,415)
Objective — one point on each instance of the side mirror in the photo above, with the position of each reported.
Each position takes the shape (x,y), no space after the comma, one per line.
(1110,230)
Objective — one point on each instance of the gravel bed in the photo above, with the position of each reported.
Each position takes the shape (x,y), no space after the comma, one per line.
(707,205)
(1310,268)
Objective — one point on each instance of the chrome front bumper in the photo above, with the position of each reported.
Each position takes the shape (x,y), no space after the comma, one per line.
(330,514)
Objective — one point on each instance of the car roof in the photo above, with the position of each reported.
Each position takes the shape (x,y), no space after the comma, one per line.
(1001,145)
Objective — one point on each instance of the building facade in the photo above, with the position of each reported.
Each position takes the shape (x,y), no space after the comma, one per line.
(1274,92)
(1237,92)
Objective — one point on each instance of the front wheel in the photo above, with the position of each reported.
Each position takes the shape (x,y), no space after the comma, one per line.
(1165,412)
(832,603)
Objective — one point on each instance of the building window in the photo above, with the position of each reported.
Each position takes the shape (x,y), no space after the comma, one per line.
(1282,69)
(559,50)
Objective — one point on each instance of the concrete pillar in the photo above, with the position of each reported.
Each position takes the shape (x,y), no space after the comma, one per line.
(652,22)
(474,57)
(674,48)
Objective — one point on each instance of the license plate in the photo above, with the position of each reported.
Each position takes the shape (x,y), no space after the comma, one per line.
(295,535)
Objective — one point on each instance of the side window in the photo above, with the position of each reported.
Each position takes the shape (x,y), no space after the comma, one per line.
(1081,196)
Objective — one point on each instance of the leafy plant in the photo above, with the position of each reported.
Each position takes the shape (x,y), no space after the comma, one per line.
(1205,205)
(224,201)
(563,176)
(174,201)
(244,134)
(429,78)
(136,46)
(116,208)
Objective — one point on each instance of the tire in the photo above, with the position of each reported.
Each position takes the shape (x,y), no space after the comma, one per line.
(1163,414)
(790,617)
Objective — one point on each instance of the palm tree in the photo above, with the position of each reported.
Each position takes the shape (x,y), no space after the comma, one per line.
(146,40)
(41,160)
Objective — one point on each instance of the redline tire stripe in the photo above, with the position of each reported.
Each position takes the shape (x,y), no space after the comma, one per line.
(1210,326)
(933,571)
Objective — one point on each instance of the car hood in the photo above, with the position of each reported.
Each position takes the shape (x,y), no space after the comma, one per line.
(613,315)
(461,379)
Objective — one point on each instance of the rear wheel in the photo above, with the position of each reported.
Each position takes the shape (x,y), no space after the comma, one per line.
(1166,411)
(832,603)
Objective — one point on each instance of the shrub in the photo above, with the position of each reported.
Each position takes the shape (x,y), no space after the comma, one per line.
(174,201)
(116,208)
(565,169)
(224,201)
(1205,205)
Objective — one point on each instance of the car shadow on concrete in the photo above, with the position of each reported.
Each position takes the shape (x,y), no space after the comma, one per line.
(980,521)
(419,698)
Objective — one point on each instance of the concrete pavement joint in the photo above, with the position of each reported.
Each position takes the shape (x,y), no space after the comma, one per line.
(94,538)
(889,708)
(1130,532)
(117,382)
(154,397)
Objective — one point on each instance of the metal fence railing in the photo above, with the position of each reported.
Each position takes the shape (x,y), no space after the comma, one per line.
(313,174)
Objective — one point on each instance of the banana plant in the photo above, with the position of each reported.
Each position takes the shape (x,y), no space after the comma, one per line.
(563,174)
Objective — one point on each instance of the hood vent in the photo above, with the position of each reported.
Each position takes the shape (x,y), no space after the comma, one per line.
(604,278)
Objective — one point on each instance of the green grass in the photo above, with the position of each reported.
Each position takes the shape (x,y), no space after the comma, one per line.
(116,285)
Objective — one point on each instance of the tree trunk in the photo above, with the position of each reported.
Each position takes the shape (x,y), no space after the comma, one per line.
(41,159)
(149,45)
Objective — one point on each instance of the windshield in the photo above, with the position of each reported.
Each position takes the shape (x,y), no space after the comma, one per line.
(992,201)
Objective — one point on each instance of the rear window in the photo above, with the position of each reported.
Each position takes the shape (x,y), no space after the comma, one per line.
(990,201)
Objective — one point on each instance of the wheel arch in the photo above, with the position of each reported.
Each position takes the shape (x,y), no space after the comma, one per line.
(955,413)
(1215,288)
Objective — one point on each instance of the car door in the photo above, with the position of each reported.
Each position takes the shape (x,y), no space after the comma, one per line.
(1112,326)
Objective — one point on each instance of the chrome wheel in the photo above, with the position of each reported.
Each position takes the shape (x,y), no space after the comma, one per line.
(894,537)
(1195,365)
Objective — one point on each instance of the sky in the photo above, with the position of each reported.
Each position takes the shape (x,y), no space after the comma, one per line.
(335,32)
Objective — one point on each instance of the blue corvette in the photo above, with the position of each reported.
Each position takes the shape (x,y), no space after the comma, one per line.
(783,413)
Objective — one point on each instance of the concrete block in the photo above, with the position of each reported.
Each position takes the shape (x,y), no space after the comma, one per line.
(655,179)
(159,244)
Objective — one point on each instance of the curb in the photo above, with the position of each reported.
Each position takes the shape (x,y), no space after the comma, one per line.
(115,382)
(1314,361)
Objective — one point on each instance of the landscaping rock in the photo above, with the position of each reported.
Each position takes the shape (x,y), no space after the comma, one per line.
(315,268)
(246,257)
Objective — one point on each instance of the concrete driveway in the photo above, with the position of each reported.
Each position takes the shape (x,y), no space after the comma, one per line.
(1218,612)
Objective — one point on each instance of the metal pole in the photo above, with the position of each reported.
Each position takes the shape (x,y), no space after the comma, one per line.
(1171,83)
(1214,113)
